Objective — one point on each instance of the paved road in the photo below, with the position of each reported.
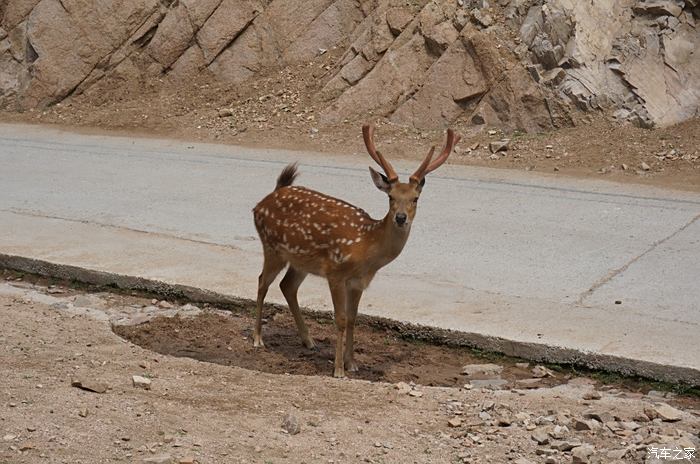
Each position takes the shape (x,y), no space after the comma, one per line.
(528,258)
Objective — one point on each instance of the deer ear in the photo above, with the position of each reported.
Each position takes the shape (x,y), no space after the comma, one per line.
(380,181)
(419,185)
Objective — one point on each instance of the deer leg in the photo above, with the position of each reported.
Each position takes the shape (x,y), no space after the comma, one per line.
(353,301)
(338,295)
(289,286)
(271,267)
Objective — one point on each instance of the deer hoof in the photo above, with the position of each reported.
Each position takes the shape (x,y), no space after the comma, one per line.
(309,343)
(258,343)
(339,373)
(351,366)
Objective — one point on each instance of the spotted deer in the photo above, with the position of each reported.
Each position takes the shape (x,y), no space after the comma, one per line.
(321,235)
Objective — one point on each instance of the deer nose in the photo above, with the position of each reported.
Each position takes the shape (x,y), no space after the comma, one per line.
(400,218)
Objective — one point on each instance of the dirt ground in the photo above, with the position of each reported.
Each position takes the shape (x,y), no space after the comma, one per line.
(381,354)
(53,336)
(280,110)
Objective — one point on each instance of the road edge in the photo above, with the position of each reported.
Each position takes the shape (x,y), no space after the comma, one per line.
(538,352)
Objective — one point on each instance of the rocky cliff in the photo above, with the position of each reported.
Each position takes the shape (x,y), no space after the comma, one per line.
(522,64)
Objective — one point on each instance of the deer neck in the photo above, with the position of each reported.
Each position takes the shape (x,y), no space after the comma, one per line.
(391,240)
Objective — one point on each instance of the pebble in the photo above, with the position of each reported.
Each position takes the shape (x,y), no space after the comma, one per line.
(141,382)
(403,388)
(87,384)
(290,424)
(581,425)
(540,436)
(645,166)
(455,422)
(501,145)
(416,393)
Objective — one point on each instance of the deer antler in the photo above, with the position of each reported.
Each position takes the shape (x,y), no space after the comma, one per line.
(368,135)
(426,166)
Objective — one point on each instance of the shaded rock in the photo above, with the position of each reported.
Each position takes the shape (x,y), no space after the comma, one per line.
(664,412)
(403,388)
(581,454)
(540,436)
(482,18)
(501,145)
(93,34)
(581,425)
(224,25)
(331,27)
(528,383)
(290,424)
(440,101)
(482,369)
(356,69)
(600,416)
(566,445)
(141,382)
(438,37)
(659,7)
(592,395)
(541,371)
(455,422)
(398,18)
(173,36)
(89,385)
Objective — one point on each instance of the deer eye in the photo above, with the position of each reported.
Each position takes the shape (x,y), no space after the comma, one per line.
(415,200)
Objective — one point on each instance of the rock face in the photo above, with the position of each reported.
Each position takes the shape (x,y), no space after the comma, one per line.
(635,57)
(424,64)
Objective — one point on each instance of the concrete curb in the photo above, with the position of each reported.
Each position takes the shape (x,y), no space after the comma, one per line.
(530,351)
